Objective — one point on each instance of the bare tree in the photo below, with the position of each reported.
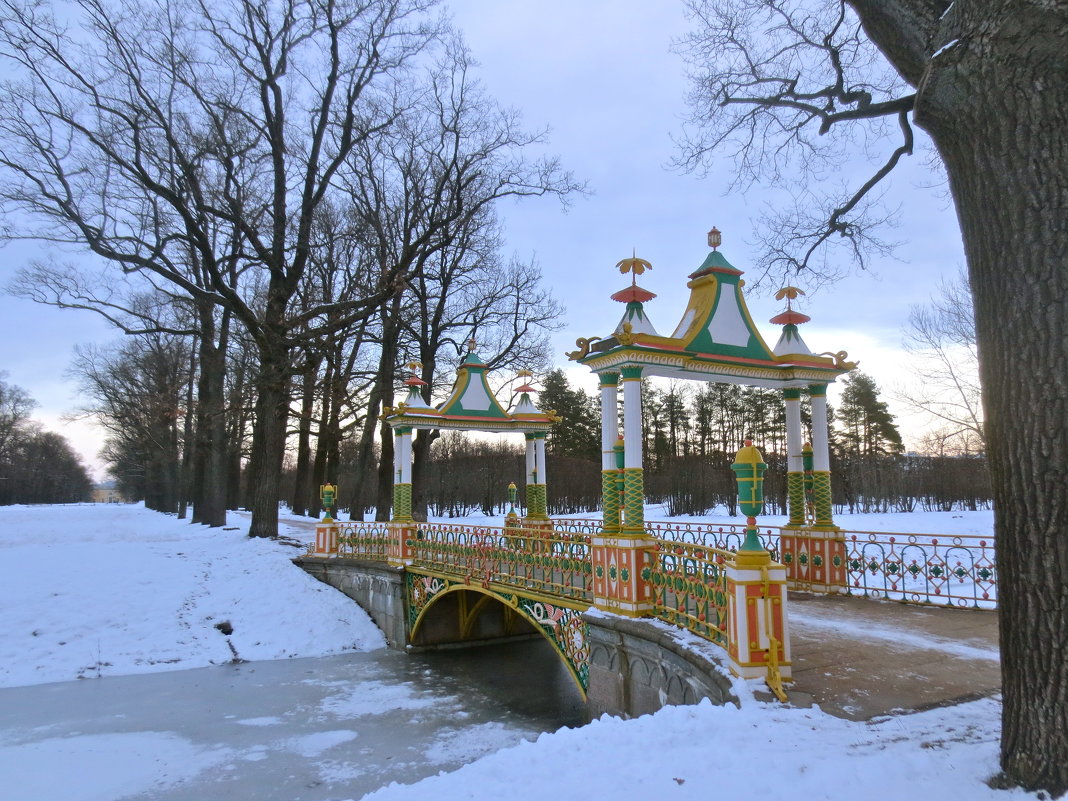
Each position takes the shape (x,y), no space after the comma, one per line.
(423,196)
(165,129)
(945,368)
(136,392)
(986,81)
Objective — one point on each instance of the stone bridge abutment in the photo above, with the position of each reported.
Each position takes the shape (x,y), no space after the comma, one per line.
(626,667)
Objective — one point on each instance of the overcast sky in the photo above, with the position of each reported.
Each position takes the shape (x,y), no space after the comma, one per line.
(602,77)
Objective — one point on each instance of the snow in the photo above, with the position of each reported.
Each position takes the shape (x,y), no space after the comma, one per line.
(147,759)
(91,591)
(944,48)
(757,751)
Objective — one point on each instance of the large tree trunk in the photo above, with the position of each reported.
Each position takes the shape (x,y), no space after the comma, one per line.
(268,440)
(995,100)
(188,479)
(384,491)
(303,481)
(209,504)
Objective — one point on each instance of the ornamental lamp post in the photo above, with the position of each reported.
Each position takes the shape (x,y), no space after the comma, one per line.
(749,470)
(511,520)
(327,494)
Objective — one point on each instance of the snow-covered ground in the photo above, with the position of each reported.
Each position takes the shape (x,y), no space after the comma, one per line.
(94,590)
(109,590)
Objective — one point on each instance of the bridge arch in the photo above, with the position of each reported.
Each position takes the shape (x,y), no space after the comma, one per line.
(443,611)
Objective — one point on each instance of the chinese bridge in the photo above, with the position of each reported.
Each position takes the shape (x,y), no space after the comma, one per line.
(600,591)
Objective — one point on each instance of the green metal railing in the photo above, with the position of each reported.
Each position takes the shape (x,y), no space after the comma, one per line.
(926,569)
(533,560)
(929,569)
(689,587)
(364,540)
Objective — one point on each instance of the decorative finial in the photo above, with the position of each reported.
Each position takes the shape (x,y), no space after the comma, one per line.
(790,293)
(715,238)
(472,344)
(524,373)
(415,366)
(633,265)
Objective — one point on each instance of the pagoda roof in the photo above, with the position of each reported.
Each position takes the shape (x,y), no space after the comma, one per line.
(716,340)
(471,406)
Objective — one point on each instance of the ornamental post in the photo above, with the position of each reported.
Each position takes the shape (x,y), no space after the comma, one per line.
(610,499)
(402,475)
(758,637)
(795,477)
(633,475)
(537,503)
(619,557)
(821,458)
(821,566)
(792,540)
(326,530)
(401,527)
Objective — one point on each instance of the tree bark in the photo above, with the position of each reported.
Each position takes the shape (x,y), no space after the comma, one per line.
(994,97)
(304,480)
(209,504)
(269,439)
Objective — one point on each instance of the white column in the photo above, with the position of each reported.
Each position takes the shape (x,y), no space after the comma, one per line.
(609,423)
(531,461)
(398,459)
(632,422)
(794,461)
(821,452)
(406,458)
(539,460)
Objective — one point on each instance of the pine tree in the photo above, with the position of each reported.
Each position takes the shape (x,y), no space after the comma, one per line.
(867,426)
(578,434)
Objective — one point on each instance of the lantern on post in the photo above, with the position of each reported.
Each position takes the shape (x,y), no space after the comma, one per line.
(327,495)
(749,470)
(511,520)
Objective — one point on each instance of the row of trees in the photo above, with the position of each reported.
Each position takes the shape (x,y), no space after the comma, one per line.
(691,435)
(36,466)
(284,203)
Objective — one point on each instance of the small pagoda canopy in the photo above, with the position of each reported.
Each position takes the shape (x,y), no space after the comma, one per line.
(716,339)
(471,406)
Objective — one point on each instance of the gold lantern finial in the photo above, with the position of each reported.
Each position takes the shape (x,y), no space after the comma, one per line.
(715,238)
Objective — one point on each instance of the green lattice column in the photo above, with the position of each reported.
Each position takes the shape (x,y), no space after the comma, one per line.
(821,496)
(402,503)
(821,458)
(610,500)
(536,502)
(633,500)
(795,496)
(795,482)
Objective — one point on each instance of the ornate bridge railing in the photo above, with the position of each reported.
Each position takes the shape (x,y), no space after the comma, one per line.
(364,540)
(923,568)
(689,587)
(555,563)
(725,536)
(929,569)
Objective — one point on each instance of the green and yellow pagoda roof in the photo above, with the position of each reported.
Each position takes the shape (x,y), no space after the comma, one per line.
(471,406)
(716,339)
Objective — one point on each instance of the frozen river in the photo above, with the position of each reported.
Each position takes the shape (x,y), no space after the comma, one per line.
(290,730)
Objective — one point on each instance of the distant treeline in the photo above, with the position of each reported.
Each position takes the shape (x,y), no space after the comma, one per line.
(465,476)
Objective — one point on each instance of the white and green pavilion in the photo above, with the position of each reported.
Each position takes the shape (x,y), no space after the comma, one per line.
(471,406)
(716,340)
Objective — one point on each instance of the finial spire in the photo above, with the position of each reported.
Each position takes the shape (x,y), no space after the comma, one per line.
(634,266)
(715,238)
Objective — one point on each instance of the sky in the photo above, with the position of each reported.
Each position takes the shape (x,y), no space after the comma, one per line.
(602,78)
